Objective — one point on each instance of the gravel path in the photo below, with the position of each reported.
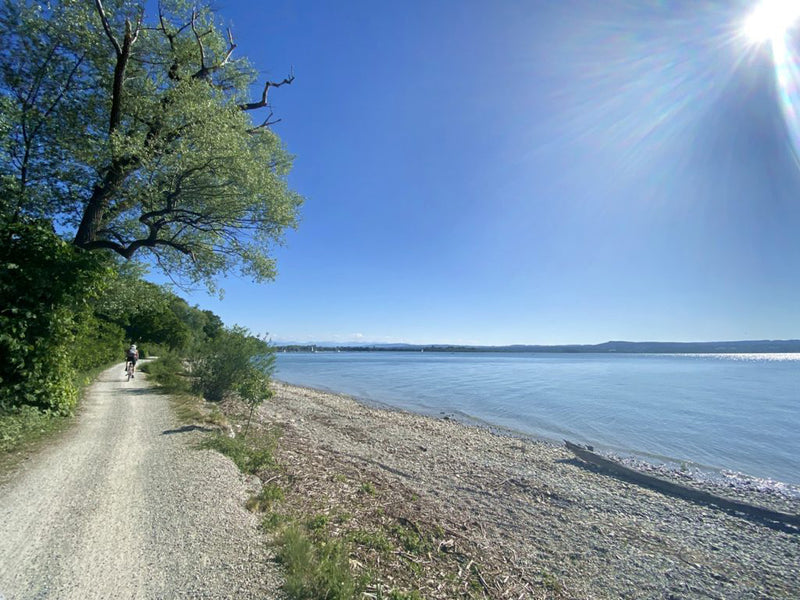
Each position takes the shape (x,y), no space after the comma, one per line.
(123,507)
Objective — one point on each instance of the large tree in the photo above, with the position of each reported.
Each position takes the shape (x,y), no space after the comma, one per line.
(135,133)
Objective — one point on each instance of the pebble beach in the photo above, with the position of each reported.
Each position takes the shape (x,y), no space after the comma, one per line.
(543,523)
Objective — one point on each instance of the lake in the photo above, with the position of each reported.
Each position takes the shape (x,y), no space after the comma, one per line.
(737,412)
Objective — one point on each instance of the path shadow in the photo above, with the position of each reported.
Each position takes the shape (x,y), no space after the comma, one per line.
(187,429)
(139,391)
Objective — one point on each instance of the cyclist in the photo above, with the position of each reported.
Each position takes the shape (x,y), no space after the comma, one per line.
(130,358)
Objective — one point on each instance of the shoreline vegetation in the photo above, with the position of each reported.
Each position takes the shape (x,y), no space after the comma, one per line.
(409,506)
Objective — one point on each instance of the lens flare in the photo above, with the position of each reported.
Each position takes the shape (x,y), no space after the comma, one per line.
(772,22)
(771,19)
(787,76)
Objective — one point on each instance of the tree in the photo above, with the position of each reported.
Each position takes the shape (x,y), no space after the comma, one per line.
(134,132)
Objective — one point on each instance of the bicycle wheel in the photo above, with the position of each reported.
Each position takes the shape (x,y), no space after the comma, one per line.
(129,371)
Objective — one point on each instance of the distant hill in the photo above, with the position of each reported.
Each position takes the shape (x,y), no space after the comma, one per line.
(750,346)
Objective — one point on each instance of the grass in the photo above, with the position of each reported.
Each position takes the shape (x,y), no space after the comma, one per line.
(375,540)
(25,425)
(25,429)
(251,455)
(551,582)
(168,372)
(272,521)
(316,569)
(263,501)
(318,523)
(411,539)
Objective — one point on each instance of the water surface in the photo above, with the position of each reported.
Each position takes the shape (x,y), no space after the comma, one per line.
(737,412)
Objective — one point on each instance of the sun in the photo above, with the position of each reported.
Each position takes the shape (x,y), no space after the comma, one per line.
(771,19)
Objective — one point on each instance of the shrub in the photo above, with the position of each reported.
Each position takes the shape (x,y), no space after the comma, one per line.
(22,423)
(45,289)
(168,372)
(230,360)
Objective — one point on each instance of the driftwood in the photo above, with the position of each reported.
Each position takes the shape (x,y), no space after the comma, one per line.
(751,511)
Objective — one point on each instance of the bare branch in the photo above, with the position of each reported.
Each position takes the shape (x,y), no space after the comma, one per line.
(265,124)
(206,70)
(263,102)
(231,47)
(138,25)
(107,27)
(198,37)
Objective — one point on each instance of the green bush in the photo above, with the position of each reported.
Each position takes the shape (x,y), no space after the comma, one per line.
(46,287)
(168,372)
(228,361)
(23,423)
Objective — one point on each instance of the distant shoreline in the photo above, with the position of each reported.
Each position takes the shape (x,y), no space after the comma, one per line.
(735,347)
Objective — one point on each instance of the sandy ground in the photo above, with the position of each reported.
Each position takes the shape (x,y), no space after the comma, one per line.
(124,507)
(538,521)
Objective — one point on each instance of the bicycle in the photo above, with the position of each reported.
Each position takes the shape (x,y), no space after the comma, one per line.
(129,368)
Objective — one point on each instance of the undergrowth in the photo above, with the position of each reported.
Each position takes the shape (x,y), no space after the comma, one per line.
(22,427)
(251,454)
(168,372)
(26,424)
(317,566)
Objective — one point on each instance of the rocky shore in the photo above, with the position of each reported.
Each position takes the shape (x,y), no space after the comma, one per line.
(539,522)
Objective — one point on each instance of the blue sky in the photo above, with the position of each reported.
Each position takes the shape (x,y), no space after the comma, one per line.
(524,172)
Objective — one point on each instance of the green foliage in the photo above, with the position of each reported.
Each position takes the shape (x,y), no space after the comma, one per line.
(167,162)
(264,500)
(45,292)
(317,522)
(316,569)
(411,539)
(168,372)
(272,521)
(234,361)
(375,540)
(97,342)
(23,423)
(251,456)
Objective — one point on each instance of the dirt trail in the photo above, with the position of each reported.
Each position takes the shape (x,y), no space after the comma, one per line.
(123,507)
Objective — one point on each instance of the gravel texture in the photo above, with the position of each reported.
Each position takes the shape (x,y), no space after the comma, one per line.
(124,507)
(544,524)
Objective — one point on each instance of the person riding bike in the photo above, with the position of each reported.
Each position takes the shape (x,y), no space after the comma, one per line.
(131,357)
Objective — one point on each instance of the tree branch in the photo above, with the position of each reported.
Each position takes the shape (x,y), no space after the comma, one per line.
(107,27)
(205,71)
(263,102)
(265,124)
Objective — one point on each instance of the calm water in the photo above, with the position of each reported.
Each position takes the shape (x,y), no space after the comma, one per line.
(735,412)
